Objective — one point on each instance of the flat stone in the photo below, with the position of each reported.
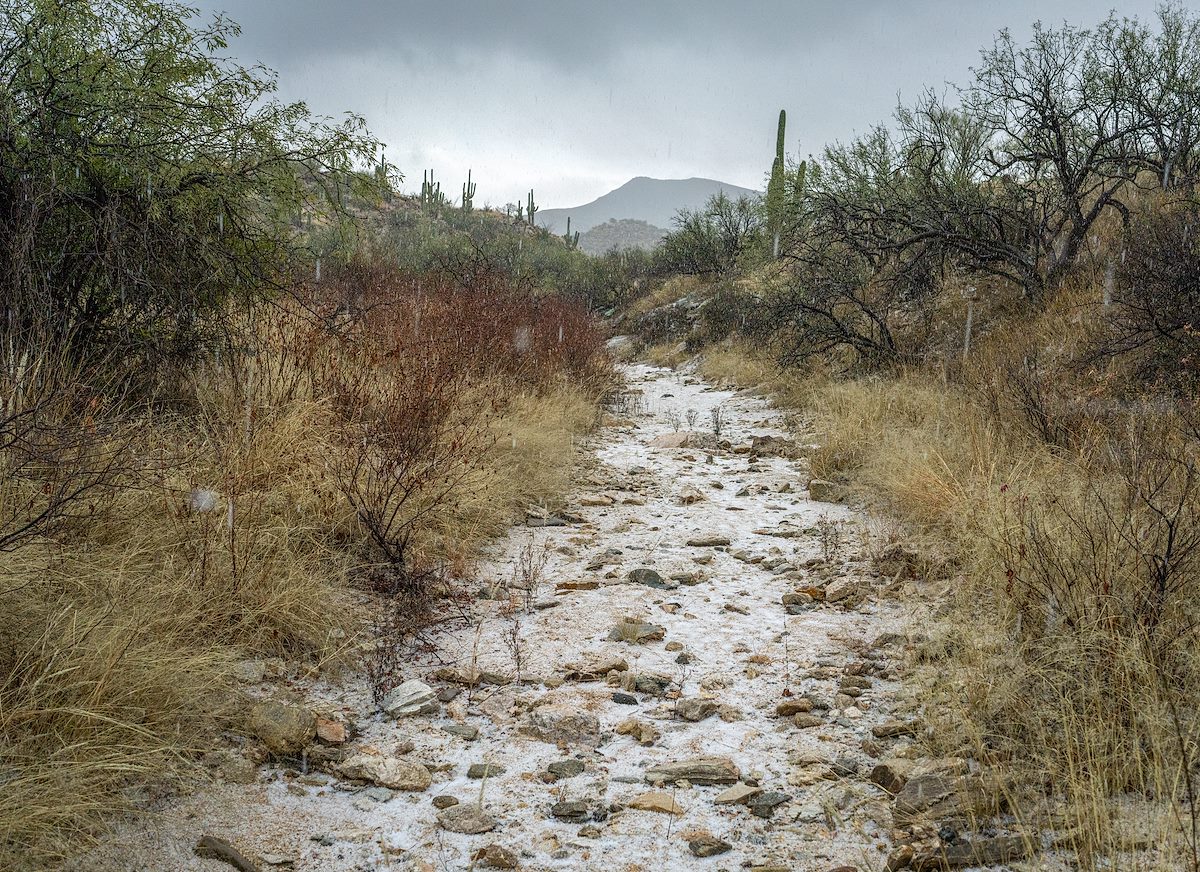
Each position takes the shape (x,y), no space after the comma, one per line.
(562,725)
(645,576)
(443,801)
(470,820)
(496,857)
(764,804)
(696,709)
(561,769)
(574,810)
(484,770)
(697,770)
(577,585)
(463,731)
(708,542)
(386,771)
(707,845)
(410,698)
(596,668)
(894,728)
(794,706)
(656,800)
(823,491)
(739,794)
(624,698)
(943,798)
(842,589)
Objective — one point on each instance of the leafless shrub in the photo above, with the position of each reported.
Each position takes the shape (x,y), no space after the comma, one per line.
(692,417)
(717,417)
(829,533)
(529,570)
(674,419)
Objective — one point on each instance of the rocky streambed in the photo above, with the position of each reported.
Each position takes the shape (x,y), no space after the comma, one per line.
(697,665)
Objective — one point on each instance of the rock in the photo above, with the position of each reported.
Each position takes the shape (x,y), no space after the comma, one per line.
(823,491)
(386,771)
(444,801)
(577,585)
(484,770)
(592,501)
(595,668)
(332,732)
(648,577)
(708,542)
(562,725)
(470,820)
(843,589)
(656,800)
(900,858)
(697,770)
(410,698)
(624,698)
(495,857)
(575,811)
(844,767)
(891,774)
(284,728)
(974,851)
(690,495)
(642,733)
(892,729)
(671,440)
(651,684)
(210,847)
(763,805)
(636,632)
(696,709)
(805,721)
(793,706)
(378,794)
(463,731)
(561,769)
(943,798)
(739,794)
(706,845)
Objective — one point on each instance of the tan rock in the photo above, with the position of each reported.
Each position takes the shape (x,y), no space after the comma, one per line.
(656,800)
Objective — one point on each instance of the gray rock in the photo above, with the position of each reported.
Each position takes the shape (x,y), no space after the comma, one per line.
(943,798)
(562,725)
(696,709)
(636,632)
(705,845)
(463,731)
(624,698)
(484,770)
(823,491)
(561,769)
(843,589)
(575,811)
(645,576)
(764,804)
(385,771)
(697,770)
(468,819)
(708,542)
(410,698)
(443,801)
(284,728)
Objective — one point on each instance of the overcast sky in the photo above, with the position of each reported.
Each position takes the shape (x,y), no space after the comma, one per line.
(574,98)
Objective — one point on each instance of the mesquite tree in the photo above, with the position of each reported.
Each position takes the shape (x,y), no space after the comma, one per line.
(145,180)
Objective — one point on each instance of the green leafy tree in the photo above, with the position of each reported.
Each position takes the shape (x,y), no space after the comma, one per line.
(145,181)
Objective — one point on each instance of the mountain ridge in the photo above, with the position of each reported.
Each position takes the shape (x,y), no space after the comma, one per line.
(642,198)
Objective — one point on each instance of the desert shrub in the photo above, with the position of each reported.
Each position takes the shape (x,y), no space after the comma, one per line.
(1156,318)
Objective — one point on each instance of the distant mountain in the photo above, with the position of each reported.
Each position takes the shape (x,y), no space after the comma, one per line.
(654,201)
(621,234)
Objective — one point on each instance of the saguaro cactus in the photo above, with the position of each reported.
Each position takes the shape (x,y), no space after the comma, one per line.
(468,195)
(776,193)
(572,241)
(531,208)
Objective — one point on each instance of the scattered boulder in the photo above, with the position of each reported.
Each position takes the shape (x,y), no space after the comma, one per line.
(943,798)
(843,589)
(763,805)
(484,770)
(470,820)
(823,491)
(642,733)
(562,725)
(697,770)
(596,668)
(443,801)
(690,495)
(391,772)
(410,698)
(707,845)
(644,575)
(656,800)
(463,731)
(284,728)
(495,857)
(574,811)
(893,728)
(561,769)
(708,542)
(696,709)
(739,794)
(671,440)
(974,851)
(332,732)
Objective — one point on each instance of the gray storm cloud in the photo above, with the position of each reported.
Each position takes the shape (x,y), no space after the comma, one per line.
(574,98)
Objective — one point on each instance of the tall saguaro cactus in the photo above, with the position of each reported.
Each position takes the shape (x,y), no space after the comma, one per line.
(776,187)
(531,208)
(572,240)
(468,194)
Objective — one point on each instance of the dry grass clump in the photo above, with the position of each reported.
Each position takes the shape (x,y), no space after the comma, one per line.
(671,355)
(1071,649)
(144,550)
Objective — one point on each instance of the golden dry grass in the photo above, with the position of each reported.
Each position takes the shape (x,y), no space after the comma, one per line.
(119,633)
